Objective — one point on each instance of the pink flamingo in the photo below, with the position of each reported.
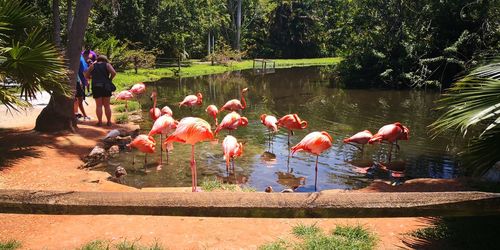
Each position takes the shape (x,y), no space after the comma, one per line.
(291,122)
(231,121)
(167,111)
(212,111)
(145,144)
(232,149)
(125,95)
(314,143)
(154,112)
(192,100)
(270,122)
(191,130)
(163,126)
(360,138)
(138,88)
(234,104)
(391,133)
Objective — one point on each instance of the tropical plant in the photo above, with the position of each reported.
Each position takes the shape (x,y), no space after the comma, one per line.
(26,56)
(472,108)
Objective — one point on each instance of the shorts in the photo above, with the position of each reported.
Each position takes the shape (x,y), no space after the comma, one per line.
(98,92)
(80,92)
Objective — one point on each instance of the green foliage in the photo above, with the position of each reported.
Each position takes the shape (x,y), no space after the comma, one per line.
(121,118)
(123,245)
(213,184)
(225,55)
(119,106)
(26,56)
(342,237)
(10,245)
(472,108)
(95,245)
(460,233)
(137,59)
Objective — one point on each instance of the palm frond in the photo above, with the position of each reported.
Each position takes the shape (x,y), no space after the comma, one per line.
(482,153)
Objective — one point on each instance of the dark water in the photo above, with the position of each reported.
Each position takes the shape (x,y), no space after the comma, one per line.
(340,112)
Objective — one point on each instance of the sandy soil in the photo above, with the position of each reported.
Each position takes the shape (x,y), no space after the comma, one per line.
(49,162)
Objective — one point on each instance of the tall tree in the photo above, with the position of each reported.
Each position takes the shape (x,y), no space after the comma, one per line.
(69,15)
(58,115)
(57,23)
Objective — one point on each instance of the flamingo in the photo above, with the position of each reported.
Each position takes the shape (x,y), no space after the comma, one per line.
(314,143)
(125,95)
(391,133)
(154,112)
(163,126)
(232,149)
(360,138)
(138,88)
(167,111)
(231,122)
(191,130)
(145,144)
(291,122)
(213,111)
(234,104)
(270,122)
(192,100)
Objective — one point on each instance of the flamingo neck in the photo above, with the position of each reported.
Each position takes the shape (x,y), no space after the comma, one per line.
(243,102)
(154,101)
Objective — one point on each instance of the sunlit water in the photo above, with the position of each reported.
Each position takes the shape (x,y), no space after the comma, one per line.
(340,112)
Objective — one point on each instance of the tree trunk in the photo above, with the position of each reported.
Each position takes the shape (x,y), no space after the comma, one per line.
(209,42)
(238,25)
(57,23)
(58,115)
(69,16)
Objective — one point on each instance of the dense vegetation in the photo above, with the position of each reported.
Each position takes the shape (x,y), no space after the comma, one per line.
(389,43)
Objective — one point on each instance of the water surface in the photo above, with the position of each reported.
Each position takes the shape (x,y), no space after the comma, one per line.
(340,112)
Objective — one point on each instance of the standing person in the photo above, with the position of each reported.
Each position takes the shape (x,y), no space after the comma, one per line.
(102,73)
(81,82)
(89,57)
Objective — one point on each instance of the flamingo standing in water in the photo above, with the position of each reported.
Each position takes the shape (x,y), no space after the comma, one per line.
(125,95)
(163,126)
(232,149)
(154,112)
(192,100)
(167,111)
(270,122)
(212,111)
(359,138)
(291,122)
(138,88)
(314,143)
(234,104)
(145,144)
(231,121)
(191,130)
(391,133)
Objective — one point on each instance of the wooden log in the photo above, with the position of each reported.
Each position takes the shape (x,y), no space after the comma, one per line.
(272,205)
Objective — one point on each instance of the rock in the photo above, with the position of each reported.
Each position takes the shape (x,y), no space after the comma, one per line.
(493,174)
(96,156)
(268,189)
(120,171)
(114,150)
(287,190)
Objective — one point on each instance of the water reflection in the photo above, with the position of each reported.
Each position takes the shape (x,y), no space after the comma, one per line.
(339,112)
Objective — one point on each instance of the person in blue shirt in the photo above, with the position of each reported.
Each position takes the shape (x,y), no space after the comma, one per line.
(81,82)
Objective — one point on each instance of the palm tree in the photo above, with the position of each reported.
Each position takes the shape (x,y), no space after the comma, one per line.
(472,108)
(26,56)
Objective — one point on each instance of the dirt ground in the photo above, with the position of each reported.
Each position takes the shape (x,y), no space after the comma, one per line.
(30,160)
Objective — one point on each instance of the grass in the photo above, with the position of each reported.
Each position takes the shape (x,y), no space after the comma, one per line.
(460,233)
(121,118)
(127,78)
(10,245)
(123,245)
(312,237)
(213,184)
(119,106)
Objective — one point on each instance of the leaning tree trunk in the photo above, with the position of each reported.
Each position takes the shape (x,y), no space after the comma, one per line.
(58,115)
(69,15)
(238,25)
(57,23)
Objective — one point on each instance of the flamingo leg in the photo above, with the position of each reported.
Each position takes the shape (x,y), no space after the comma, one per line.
(390,153)
(288,138)
(133,159)
(193,170)
(316,176)
(161,149)
(126,107)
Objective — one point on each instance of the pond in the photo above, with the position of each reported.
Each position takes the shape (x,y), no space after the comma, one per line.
(305,91)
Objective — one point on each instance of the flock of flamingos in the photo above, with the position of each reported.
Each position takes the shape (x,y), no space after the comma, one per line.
(191,130)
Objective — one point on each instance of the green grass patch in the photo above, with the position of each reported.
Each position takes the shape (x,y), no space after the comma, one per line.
(312,237)
(460,233)
(119,106)
(126,79)
(121,118)
(10,245)
(123,245)
(214,184)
